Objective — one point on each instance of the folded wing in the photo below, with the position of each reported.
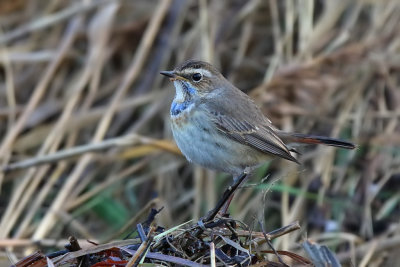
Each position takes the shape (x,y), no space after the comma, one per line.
(260,137)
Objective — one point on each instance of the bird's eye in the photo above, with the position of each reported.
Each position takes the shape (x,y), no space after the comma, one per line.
(197,77)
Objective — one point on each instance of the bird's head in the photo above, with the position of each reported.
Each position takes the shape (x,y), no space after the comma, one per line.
(194,79)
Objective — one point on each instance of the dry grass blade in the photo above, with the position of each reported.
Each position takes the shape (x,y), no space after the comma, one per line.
(124,141)
(41,87)
(131,74)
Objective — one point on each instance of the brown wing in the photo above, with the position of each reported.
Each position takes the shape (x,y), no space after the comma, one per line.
(260,137)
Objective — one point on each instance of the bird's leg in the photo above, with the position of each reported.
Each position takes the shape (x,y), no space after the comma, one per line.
(225,200)
(236,180)
(224,209)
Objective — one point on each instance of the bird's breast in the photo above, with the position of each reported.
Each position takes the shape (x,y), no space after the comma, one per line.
(193,132)
(180,113)
(201,142)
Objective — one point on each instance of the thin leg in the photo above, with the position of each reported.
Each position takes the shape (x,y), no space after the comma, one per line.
(226,197)
(225,200)
(240,180)
(224,209)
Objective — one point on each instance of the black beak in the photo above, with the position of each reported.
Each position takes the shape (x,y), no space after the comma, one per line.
(170,74)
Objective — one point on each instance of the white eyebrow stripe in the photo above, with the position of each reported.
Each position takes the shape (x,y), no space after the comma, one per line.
(203,72)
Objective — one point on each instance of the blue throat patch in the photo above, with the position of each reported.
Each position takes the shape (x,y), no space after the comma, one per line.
(177,108)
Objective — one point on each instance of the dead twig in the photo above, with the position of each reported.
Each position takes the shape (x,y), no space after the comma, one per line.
(124,141)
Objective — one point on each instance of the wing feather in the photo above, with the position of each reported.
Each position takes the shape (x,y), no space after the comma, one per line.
(260,137)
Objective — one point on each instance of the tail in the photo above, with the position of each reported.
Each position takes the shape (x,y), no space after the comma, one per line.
(314,139)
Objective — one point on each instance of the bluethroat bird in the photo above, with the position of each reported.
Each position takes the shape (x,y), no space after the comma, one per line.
(219,127)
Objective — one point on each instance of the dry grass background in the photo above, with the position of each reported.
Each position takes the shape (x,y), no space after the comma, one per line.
(85,142)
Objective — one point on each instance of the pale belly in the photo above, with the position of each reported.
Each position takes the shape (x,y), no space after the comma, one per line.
(202,143)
